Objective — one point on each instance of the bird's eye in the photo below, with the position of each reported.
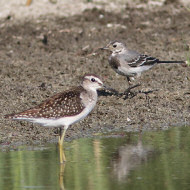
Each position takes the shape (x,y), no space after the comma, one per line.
(114,46)
(93,80)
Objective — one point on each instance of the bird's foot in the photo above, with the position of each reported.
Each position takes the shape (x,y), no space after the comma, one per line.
(147,91)
(128,93)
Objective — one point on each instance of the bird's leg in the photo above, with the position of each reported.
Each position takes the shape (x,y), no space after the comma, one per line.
(59,131)
(129,81)
(128,90)
(131,87)
(61,140)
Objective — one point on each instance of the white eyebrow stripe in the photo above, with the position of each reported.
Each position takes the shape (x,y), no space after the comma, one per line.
(95,77)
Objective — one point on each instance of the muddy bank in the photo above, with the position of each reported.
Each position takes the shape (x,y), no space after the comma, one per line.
(39,58)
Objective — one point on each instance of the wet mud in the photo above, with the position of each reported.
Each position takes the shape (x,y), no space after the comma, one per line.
(39,58)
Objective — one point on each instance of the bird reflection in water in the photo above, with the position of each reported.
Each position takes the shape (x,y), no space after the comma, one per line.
(129,158)
(61,174)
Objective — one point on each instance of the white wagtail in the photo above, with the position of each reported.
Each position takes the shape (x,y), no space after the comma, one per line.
(130,63)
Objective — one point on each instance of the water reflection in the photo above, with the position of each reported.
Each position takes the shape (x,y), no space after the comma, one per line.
(130,157)
(154,160)
(61,174)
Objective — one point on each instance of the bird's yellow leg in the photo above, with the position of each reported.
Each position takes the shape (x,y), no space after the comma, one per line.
(61,152)
(61,184)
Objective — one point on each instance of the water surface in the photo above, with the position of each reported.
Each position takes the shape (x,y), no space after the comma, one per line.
(151,160)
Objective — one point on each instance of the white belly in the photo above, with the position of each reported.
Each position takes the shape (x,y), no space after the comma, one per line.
(132,71)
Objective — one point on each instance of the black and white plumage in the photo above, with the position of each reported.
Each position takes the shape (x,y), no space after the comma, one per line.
(130,63)
(65,108)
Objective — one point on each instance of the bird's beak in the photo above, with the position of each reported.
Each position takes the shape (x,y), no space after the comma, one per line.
(104,48)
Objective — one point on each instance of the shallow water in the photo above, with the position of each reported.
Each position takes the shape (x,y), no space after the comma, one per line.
(152,160)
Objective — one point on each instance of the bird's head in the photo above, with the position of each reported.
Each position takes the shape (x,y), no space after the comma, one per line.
(91,81)
(114,47)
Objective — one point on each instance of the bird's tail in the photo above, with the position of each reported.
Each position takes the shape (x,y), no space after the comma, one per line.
(10,116)
(183,63)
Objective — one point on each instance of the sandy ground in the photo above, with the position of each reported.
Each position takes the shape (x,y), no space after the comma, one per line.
(44,55)
(19,11)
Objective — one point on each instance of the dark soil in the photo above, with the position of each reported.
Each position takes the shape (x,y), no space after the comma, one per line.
(42,57)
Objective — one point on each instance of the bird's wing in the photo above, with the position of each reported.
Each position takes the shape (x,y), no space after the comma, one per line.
(134,59)
(142,60)
(67,103)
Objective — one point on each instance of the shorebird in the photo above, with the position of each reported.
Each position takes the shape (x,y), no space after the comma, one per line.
(130,63)
(65,108)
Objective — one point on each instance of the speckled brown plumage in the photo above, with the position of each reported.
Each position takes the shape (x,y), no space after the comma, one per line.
(67,103)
